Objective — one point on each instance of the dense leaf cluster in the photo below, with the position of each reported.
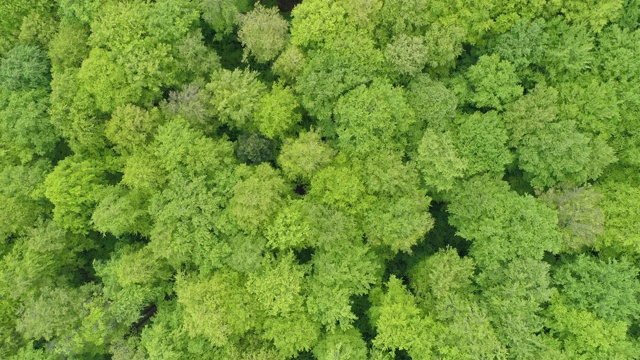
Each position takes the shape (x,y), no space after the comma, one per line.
(350,179)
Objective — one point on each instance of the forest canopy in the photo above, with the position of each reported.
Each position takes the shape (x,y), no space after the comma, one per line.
(319,179)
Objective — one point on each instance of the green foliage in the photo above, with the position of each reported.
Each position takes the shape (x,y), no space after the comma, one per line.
(278,113)
(25,130)
(399,223)
(235,96)
(37,29)
(289,64)
(439,280)
(218,308)
(439,161)
(164,197)
(620,209)
(400,325)
(592,105)
(341,271)
(341,345)
(494,82)
(481,140)
(122,211)
(223,15)
(373,118)
(570,52)
(131,128)
(68,47)
(502,224)
(257,198)
(186,216)
(192,103)
(254,149)
(583,335)
(608,289)
(559,154)
(263,33)
(131,60)
(530,113)
(195,58)
(331,72)
(580,216)
(299,159)
(75,115)
(25,67)
(433,104)
(524,44)
(406,55)
(20,205)
(595,13)
(513,296)
(341,188)
(56,312)
(74,187)
(290,228)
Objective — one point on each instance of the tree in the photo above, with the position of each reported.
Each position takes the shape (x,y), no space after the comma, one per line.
(257,198)
(606,288)
(340,188)
(301,158)
(223,15)
(584,335)
(592,105)
(131,128)
(494,82)
(133,57)
(481,141)
(21,201)
(580,216)
(513,296)
(187,222)
(193,104)
(235,96)
(531,113)
(75,115)
(399,223)
(291,228)
(74,187)
(278,112)
(620,208)
(503,225)
(373,118)
(570,51)
(13,18)
(341,270)
(68,47)
(524,44)
(434,105)
(400,325)
(263,33)
(406,55)
(596,14)
(218,308)
(331,72)
(25,130)
(278,289)
(254,149)
(122,211)
(439,160)
(341,345)
(559,154)
(289,64)
(25,67)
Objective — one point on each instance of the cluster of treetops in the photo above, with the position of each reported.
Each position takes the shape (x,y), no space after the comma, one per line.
(345,179)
